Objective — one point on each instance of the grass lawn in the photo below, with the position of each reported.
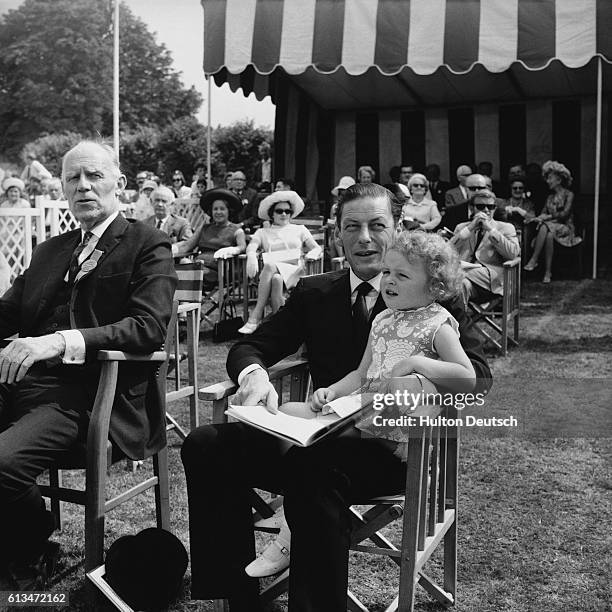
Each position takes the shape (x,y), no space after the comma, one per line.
(535,505)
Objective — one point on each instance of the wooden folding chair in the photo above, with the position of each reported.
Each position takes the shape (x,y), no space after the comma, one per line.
(501,313)
(189,296)
(427,510)
(98,454)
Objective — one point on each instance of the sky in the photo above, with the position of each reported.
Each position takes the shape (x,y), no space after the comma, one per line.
(179,25)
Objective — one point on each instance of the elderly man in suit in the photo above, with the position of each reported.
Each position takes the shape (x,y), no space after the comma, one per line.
(460,194)
(463,211)
(484,245)
(331,314)
(248,214)
(107,285)
(178,228)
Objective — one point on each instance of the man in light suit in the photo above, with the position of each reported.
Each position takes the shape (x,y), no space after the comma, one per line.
(107,285)
(484,245)
(223,462)
(458,195)
(178,228)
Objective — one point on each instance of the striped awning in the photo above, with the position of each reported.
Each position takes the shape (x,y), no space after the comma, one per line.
(395,36)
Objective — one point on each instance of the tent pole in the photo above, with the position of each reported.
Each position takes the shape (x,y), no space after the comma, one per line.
(209,183)
(597,167)
(116,81)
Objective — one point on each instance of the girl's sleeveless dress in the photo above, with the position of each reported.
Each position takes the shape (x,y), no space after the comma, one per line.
(397,335)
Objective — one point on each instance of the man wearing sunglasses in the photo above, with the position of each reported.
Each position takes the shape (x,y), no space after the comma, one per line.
(484,245)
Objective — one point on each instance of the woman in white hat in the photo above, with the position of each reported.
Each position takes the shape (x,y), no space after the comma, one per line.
(282,244)
(14,189)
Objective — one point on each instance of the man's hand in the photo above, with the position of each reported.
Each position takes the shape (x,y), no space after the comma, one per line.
(256,388)
(21,354)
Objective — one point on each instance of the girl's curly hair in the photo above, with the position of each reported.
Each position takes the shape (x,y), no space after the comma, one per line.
(440,259)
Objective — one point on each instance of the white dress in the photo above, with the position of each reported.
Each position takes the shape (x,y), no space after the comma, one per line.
(291,237)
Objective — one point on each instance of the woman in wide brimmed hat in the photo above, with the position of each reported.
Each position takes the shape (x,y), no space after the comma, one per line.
(555,223)
(282,244)
(14,189)
(219,239)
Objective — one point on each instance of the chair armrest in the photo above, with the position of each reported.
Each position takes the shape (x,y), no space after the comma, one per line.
(121,356)
(219,391)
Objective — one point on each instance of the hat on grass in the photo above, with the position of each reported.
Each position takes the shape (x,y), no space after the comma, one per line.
(292,198)
(146,570)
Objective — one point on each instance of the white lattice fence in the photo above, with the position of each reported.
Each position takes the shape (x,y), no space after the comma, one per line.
(190,209)
(18,228)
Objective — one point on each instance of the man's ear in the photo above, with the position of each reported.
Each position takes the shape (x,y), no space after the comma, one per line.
(121,183)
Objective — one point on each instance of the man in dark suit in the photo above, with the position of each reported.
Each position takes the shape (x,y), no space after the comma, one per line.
(248,215)
(462,212)
(107,285)
(437,188)
(458,195)
(177,228)
(223,462)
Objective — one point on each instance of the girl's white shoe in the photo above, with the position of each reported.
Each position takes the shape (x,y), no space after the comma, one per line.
(249,327)
(275,558)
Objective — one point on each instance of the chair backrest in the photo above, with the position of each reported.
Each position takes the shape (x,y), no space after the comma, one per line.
(190,281)
(17,236)
(190,209)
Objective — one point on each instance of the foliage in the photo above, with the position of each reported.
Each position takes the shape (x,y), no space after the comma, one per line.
(138,150)
(181,146)
(56,72)
(50,149)
(237,145)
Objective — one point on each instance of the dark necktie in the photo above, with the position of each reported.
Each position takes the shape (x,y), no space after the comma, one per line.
(479,236)
(159,224)
(74,260)
(361,314)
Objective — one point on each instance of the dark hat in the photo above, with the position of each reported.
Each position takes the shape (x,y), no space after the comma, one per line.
(219,193)
(146,570)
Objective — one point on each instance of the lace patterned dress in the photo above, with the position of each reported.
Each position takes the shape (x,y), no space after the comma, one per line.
(397,335)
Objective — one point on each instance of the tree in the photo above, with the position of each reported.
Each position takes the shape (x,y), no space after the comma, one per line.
(237,145)
(50,149)
(56,72)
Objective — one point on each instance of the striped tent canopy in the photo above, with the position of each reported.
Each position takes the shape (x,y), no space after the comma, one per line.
(401,53)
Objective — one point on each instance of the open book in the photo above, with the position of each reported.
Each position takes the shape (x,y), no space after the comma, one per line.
(306,428)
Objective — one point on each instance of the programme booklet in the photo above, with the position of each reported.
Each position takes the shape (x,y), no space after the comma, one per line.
(302,430)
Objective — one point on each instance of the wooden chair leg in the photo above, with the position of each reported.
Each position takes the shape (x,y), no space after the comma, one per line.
(94,520)
(162,492)
(55,480)
(193,326)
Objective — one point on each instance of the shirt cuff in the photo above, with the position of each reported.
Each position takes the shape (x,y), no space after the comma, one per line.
(248,370)
(75,347)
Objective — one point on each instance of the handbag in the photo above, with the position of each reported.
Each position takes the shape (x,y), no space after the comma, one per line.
(228,325)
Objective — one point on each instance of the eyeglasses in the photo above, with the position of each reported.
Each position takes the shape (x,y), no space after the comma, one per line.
(477,187)
(483,206)
(176,180)
(518,188)
(419,185)
(282,211)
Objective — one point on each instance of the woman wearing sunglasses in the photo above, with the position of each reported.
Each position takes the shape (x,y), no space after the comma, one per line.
(420,211)
(282,245)
(484,245)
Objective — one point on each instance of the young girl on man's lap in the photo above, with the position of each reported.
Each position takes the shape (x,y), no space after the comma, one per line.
(414,335)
